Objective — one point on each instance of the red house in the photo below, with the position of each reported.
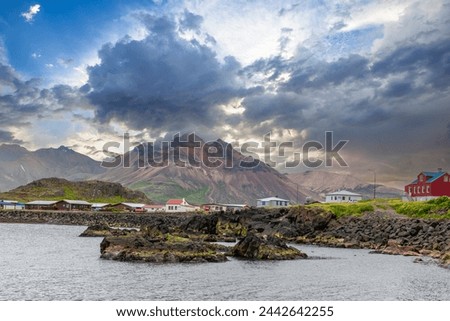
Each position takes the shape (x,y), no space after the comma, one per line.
(429,185)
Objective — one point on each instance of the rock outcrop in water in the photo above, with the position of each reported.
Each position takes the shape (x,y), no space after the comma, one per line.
(161,249)
(265,247)
(102,230)
(190,242)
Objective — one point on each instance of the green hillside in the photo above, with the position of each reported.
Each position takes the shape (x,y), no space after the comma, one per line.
(91,191)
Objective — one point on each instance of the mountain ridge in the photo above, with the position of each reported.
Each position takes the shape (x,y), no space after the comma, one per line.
(19,166)
(199,184)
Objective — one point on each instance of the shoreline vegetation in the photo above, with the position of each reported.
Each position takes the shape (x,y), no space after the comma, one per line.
(424,231)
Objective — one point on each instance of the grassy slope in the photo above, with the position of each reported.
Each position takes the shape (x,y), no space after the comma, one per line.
(69,191)
(435,209)
(161,192)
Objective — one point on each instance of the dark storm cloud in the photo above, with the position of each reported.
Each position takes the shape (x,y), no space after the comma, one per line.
(283,109)
(18,99)
(163,81)
(7,137)
(23,101)
(363,113)
(431,60)
(392,108)
(320,74)
(398,89)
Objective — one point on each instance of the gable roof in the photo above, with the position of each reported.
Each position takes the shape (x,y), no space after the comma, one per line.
(431,176)
(175,202)
(44,203)
(344,193)
(76,202)
(268,199)
(133,205)
(100,204)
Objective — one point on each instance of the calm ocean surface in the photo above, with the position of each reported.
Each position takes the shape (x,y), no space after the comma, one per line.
(50,262)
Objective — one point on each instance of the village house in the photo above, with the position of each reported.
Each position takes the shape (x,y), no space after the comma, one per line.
(100,206)
(180,206)
(73,205)
(155,208)
(429,185)
(235,207)
(213,207)
(342,196)
(11,205)
(41,205)
(272,202)
(129,207)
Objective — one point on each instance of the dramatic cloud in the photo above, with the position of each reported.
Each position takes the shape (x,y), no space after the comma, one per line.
(30,114)
(163,82)
(32,11)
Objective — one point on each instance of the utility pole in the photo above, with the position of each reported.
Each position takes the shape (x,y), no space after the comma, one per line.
(374,185)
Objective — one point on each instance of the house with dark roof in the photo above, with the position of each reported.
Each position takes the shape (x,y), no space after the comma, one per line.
(429,185)
(129,207)
(41,205)
(73,205)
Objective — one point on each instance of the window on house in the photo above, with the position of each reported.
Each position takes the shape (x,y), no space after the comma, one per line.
(428,189)
(446,178)
(414,190)
(343,198)
(263,203)
(176,207)
(423,189)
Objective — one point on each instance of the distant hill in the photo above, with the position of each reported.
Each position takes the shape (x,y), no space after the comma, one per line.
(19,166)
(91,191)
(321,182)
(235,184)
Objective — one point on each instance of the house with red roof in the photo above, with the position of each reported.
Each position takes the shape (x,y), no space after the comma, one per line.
(429,185)
(179,205)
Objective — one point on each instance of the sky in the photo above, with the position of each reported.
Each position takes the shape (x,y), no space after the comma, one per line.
(374,73)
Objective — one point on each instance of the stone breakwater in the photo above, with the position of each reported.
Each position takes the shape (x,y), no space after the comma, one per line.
(131,220)
(378,231)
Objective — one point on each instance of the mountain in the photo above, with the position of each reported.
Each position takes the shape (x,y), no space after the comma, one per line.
(19,166)
(321,182)
(92,191)
(199,184)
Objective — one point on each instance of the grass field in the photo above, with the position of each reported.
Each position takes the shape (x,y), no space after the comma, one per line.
(438,208)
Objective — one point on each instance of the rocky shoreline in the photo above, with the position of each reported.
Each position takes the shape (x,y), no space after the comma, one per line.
(377,231)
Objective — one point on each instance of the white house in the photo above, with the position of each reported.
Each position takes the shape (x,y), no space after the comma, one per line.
(180,206)
(155,208)
(342,196)
(11,205)
(272,202)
